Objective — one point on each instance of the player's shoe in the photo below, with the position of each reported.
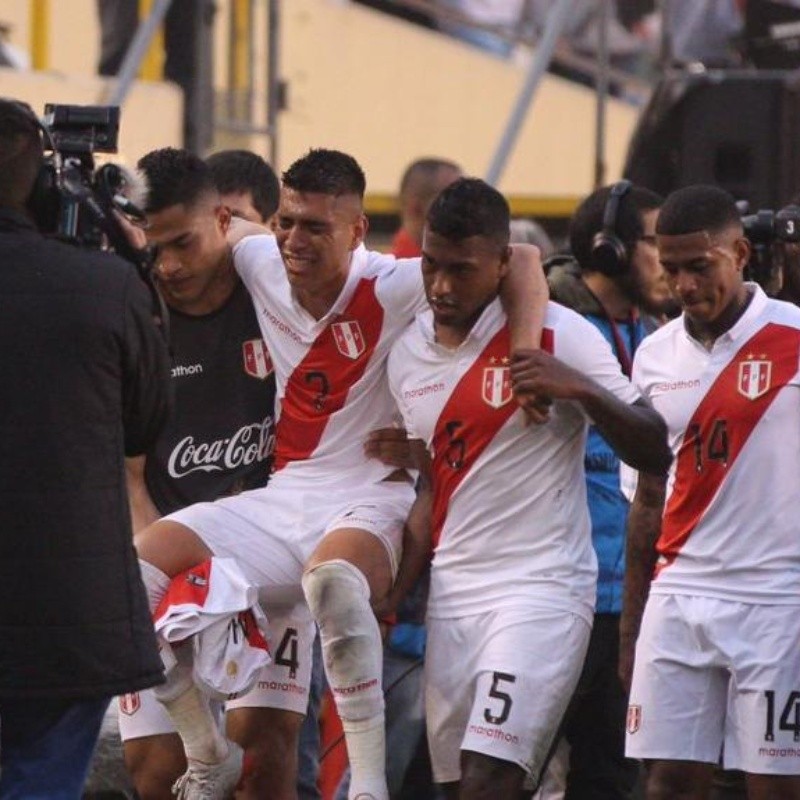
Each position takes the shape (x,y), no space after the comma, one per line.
(210,781)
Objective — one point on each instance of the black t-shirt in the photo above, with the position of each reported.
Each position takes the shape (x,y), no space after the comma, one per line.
(220,437)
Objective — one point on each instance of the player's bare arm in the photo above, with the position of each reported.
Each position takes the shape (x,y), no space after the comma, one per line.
(636,431)
(417,541)
(644,527)
(524,295)
(143,510)
(241,228)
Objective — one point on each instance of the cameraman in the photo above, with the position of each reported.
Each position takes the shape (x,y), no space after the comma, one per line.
(775,257)
(84,384)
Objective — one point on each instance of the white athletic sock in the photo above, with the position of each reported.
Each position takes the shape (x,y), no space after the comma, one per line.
(195,722)
(156,583)
(366,750)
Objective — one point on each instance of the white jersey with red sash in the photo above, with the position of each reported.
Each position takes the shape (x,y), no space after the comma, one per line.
(511,524)
(331,386)
(731,526)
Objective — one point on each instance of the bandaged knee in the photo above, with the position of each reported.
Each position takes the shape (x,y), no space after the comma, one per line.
(338,596)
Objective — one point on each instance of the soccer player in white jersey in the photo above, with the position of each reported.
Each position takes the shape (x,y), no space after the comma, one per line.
(514,572)
(330,516)
(716,545)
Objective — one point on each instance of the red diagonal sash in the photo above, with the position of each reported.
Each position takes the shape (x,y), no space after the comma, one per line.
(319,385)
(726,403)
(468,423)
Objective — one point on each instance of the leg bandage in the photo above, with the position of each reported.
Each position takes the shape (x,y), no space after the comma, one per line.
(338,596)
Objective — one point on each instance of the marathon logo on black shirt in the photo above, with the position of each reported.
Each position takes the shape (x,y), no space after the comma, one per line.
(182,370)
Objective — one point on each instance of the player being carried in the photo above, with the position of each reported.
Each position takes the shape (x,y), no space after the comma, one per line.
(331,518)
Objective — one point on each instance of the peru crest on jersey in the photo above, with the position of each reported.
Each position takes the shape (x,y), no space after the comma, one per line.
(755,377)
(349,338)
(496,386)
(130,703)
(257,360)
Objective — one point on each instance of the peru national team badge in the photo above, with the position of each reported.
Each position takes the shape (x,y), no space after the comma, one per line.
(634,718)
(257,361)
(349,339)
(754,378)
(496,386)
(130,703)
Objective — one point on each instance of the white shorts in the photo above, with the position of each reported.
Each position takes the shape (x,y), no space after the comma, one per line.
(499,683)
(272,532)
(715,676)
(284,684)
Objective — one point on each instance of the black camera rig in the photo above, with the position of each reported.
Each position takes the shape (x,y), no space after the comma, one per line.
(768,231)
(72,198)
(77,201)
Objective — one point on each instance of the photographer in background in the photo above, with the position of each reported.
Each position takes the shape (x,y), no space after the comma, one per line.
(616,282)
(775,258)
(85,375)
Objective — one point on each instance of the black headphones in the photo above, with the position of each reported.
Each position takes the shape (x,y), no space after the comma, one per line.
(609,254)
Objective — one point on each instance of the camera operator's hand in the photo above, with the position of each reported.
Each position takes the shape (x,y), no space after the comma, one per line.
(133,233)
(240,228)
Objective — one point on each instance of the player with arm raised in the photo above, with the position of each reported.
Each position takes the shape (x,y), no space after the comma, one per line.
(514,572)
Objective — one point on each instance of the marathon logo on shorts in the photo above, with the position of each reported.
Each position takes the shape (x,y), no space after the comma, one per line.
(496,386)
(634,718)
(755,378)
(130,703)
(257,360)
(349,339)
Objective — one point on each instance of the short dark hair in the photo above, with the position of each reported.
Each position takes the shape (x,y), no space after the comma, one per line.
(697,208)
(326,172)
(18,173)
(175,177)
(245,171)
(470,207)
(423,172)
(587,221)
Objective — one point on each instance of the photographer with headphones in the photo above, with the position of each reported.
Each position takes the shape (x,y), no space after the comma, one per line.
(85,377)
(615,280)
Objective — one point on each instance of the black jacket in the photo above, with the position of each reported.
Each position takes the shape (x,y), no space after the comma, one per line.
(83,382)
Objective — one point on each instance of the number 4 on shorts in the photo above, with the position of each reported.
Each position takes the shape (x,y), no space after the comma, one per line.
(286,654)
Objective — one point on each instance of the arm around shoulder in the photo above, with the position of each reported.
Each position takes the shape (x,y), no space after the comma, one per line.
(525,295)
